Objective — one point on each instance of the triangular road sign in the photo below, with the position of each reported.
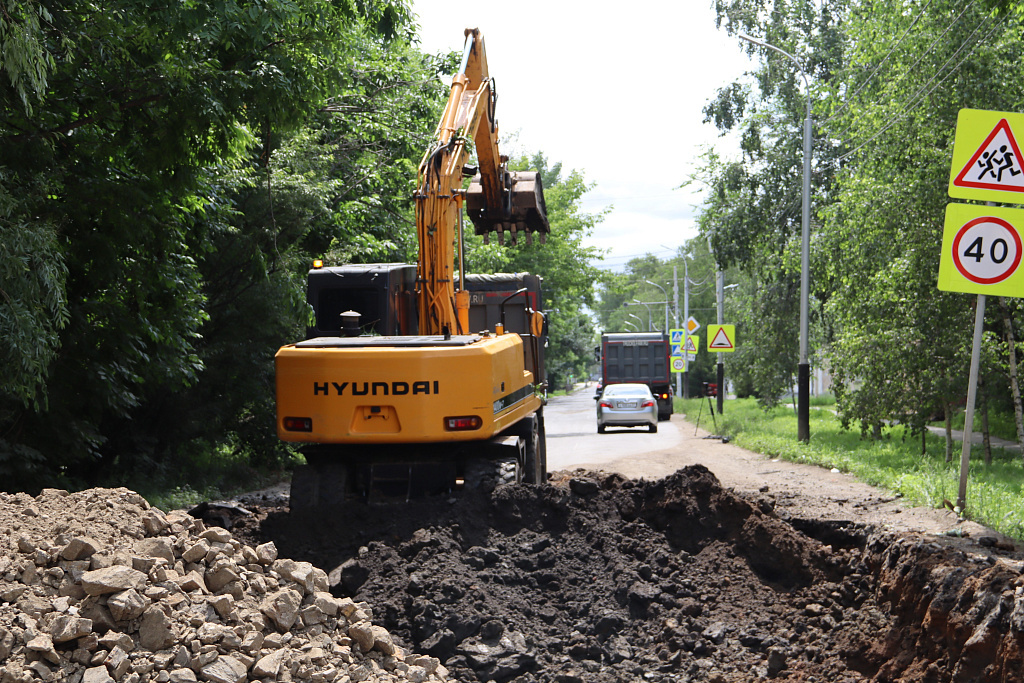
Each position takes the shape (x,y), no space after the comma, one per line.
(721,338)
(691,346)
(996,165)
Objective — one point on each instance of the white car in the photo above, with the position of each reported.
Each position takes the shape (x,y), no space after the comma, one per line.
(627,405)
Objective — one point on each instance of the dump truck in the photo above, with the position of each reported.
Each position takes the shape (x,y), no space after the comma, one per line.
(403,386)
(639,357)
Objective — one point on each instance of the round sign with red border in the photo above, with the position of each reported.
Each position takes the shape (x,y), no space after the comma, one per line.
(987,250)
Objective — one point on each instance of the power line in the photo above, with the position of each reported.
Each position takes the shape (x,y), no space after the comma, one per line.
(627,257)
(930,50)
(919,96)
(639,255)
(879,66)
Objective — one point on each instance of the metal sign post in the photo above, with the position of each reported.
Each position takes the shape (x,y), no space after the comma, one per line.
(972,394)
(982,247)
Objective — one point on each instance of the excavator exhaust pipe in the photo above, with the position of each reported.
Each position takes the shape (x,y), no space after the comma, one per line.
(523,211)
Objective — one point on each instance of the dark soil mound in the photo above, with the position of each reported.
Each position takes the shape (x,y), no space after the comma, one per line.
(593,577)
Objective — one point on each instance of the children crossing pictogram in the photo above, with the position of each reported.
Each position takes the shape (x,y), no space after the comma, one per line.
(996,165)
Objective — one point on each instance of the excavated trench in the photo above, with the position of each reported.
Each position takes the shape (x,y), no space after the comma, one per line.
(593,577)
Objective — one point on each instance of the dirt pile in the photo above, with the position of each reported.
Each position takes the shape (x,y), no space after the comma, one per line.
(598,578)
(98,587)
(591,577)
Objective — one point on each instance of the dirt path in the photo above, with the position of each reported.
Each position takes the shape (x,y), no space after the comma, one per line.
(795,490)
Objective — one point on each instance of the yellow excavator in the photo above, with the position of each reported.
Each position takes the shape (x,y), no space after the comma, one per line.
(420,379)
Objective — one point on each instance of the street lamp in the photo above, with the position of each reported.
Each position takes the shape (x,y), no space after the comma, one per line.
(637,318)
(666,300)
(631,325)
(644,304)
(803,426)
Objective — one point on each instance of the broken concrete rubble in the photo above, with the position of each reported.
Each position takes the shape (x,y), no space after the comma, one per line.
(126,593)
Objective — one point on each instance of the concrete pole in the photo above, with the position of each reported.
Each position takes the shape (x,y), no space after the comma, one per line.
(803,422)
(686,319)
(675,319)
(720,292)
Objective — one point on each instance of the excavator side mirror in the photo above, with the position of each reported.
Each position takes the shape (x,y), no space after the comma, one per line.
(538,324)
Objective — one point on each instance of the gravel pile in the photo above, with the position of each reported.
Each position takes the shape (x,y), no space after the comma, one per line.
(99,587)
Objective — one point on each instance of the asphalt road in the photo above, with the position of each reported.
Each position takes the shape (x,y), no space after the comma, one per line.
(572,438)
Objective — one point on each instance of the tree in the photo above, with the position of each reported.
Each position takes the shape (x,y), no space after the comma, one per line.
(340,189)
(887,80)
(144,106)
(25,58)
(34,302)
(907,342)
(752,209)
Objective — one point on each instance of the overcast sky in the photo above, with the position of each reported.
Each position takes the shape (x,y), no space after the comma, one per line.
(615,94)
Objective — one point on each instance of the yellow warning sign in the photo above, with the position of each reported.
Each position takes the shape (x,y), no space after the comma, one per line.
(982,248)
(987,162)
(721,338)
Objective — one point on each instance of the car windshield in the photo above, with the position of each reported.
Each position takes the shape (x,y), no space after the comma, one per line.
(627,390)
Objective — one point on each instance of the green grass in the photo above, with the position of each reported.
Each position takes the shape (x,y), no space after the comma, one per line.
(823,400)
(994,492)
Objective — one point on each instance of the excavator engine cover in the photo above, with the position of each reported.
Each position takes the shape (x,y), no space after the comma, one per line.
(523,210)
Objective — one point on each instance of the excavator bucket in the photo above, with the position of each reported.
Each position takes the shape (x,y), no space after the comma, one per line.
(520,211)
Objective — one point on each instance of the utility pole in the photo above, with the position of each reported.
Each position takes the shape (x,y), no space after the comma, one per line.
(720,292)
(803,420)
(675,319)
(686,320)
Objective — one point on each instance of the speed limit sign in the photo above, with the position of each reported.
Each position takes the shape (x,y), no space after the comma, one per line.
(982,250)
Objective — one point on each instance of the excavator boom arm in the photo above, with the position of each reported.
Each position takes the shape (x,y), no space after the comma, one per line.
(497,200)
